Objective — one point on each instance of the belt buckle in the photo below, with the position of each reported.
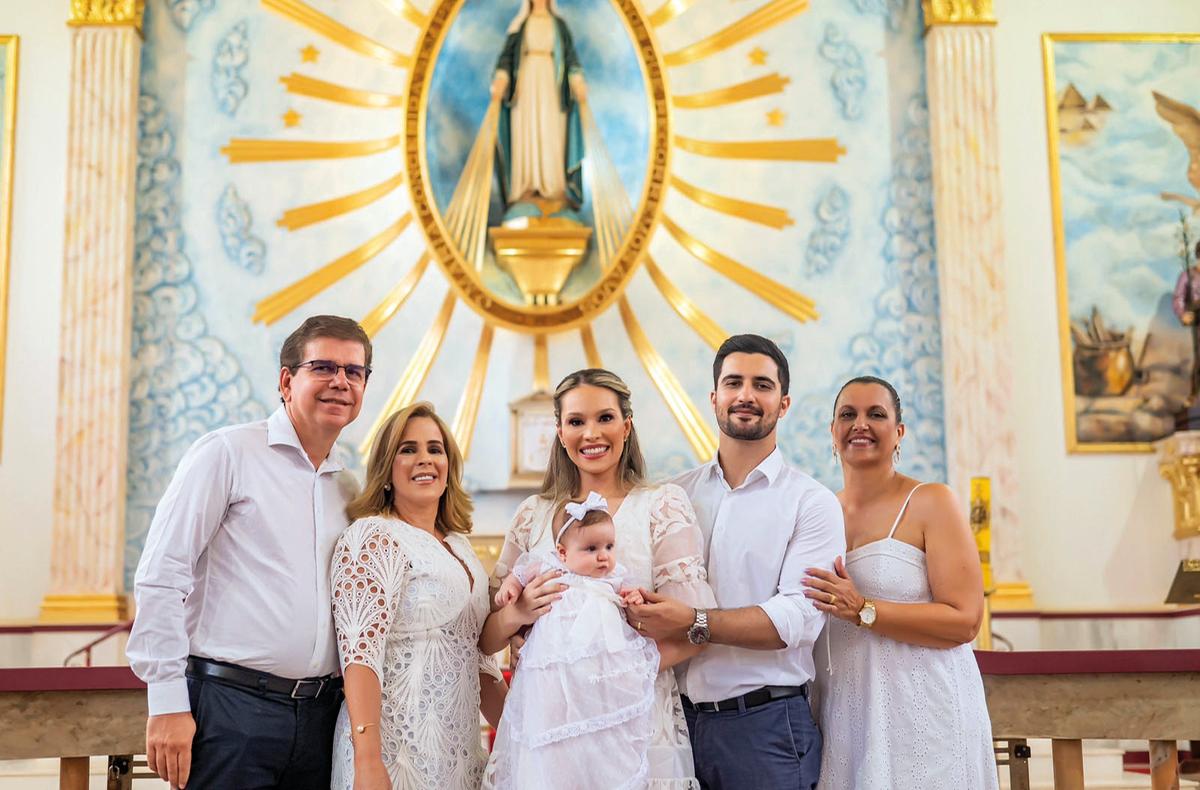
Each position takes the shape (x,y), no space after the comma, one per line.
(296,689)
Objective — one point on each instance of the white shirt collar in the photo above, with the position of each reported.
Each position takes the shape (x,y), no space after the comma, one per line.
(769,467)
(281,431)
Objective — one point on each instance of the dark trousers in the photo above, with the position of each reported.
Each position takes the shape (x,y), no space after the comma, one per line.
(769,746)
(251,740)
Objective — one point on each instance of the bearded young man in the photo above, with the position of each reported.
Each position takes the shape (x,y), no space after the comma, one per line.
(234,632)
(764,523)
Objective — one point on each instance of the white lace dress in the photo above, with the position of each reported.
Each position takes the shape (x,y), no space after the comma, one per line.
(580,711)
(662,549)
(895,714)
(404,608)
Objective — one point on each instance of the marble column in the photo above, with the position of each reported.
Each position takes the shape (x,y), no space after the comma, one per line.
(976,353)
(87,549)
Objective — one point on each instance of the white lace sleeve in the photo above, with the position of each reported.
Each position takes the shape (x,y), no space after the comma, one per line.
(367,577)
(490,666)
(516,541)
(677,547)
(528,567)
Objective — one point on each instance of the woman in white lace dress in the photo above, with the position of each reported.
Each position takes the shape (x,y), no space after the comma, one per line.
(410,600)
(658,540)
(901,702)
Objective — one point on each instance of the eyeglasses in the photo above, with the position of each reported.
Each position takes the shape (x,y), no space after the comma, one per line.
(327,369)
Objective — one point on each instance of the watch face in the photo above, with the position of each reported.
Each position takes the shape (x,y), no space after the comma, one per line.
(697,634)
(867,615)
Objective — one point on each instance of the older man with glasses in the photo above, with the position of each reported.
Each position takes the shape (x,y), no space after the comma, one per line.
(234,634)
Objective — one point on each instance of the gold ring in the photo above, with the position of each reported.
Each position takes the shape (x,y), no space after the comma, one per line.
(832,599)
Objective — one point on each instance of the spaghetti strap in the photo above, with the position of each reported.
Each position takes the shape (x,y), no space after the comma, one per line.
(903,508)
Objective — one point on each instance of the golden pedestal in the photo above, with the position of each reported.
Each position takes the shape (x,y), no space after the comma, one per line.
(542,256)
(1179,464)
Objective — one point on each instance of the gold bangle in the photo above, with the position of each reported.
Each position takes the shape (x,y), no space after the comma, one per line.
(361,728)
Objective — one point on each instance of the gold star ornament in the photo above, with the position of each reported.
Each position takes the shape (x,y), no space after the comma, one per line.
(758,57)
(775,117)
(291,118)
(309,54)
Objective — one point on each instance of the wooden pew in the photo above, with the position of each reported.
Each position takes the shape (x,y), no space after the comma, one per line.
(1073,695)
(72,713)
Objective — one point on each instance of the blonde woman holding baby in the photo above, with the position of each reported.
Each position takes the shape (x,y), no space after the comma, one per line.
(656,538)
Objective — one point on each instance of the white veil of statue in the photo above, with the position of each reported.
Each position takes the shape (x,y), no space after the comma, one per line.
(523,14)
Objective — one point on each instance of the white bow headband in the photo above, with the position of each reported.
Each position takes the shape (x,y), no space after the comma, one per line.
(577,510)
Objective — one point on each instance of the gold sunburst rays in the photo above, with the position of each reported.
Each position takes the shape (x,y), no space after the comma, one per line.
(817,149)
(313,88)
(760,213)
(242,150)
(307,16)
(794,303)
(697,432)
(708,330)
(282,302)
(541,363)
(303,216)
(407,11)
(590,350)
(748,26)
(390,305)
(467,412)
(753,89)
(668,11)
(414,375)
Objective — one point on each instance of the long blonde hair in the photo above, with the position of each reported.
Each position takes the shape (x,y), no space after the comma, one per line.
(376,499)
(562,480)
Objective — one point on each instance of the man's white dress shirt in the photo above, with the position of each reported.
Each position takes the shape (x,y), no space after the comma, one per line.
(758,539)
(236,564)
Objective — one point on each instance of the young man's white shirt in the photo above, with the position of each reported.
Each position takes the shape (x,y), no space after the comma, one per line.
(236,563)
(758,540)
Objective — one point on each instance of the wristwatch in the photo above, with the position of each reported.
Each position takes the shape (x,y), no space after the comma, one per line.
(698,633)
(866,615)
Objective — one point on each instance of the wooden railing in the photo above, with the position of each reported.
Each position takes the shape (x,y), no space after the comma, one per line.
(1073,695)
(86,650)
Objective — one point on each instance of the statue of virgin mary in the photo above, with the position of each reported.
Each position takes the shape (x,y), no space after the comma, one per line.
(539,143)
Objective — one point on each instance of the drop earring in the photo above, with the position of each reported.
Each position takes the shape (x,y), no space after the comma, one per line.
(896,456)
(836,458)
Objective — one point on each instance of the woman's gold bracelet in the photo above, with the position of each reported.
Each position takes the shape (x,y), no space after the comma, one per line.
(361,728)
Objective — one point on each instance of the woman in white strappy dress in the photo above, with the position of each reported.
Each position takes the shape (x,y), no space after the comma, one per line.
(901,702)
(658,539)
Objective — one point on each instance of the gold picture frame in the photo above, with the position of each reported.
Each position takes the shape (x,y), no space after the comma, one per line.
(9,50)
(1053,132)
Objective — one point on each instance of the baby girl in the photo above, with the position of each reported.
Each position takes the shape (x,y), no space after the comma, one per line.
(579,711)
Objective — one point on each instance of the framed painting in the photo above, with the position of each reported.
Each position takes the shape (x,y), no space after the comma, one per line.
(1123,125)
(8,125)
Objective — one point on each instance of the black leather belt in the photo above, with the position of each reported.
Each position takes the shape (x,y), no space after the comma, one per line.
(750,699)
(306,688)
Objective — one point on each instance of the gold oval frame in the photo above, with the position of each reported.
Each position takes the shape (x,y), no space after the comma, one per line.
(560,318)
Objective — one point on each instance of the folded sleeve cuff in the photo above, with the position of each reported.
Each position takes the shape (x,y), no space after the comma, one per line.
(168,696)
(780,612)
